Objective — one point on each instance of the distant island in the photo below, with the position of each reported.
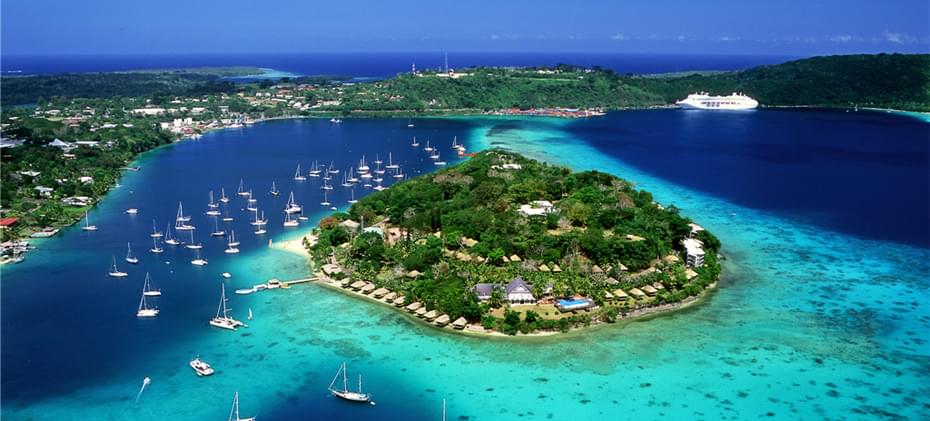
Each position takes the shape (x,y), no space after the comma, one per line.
(504,244)
(66,147)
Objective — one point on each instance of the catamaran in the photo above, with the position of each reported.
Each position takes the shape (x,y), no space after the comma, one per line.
(155,233)
(261,224)
(298,176)
(223,197)
(415,143)
(168,238)
(288,222)
(274,189)
(129,257)
(434,156)
(391,165)
(222,319)
(87,226)
(155,248)
(147,288)
(315,169)
(115,272)
(325,202)
(201,367)
(234,412)
(192,245)
(217,232)
(144,310)
(345,393)
(199,261)
(291,206)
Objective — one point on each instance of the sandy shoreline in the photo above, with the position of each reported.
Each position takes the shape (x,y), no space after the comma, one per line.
(296,245)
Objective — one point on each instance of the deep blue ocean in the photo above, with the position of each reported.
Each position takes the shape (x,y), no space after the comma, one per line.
(378,65)
(822,313)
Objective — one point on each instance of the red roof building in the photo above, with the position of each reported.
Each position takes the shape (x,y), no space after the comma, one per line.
(8,222)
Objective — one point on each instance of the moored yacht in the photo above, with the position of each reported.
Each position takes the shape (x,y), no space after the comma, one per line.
(298,176)
(129,257)
(222,319)
(115,272)
(201,367)
(147,289)
(87,226)
(155,248)
(345,393)
(144,309)
(199,261)
(155,233)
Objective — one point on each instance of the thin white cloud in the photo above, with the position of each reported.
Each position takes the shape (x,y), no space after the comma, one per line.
(618,37)
(495,37)
(898,37)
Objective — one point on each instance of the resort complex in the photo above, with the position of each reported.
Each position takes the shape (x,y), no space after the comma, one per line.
(504,244)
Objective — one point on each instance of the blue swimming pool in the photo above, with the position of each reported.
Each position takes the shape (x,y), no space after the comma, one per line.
(572,303)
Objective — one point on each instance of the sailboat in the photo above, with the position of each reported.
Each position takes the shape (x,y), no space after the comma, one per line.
(352,200)
(147,288)
(399,174)
(325,202)
(226,217)
(288,222)
(234,411)
(87,226)
(217,232)
(291,206)
(352,178)
(274,189)
(379,187)
(199,261)
(298,176)
(391,165)
(345,393)
(332,168)
(362,167)
(144,310)
(182,220)
(168,238)
(378,169)
(345,181)
(231,244)
(250,313)
(115,272)
(155,248)
(192,245)
(155,233)
(315,169)
(301,217)
(438,162)
(428,148)
(222,319)
(232,239)
(415,143)
(261,224)
(129,257)
(223,197)
(378,159)
(212,206)
(241,191)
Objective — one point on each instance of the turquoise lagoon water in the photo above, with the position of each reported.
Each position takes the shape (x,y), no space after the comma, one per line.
(808,323)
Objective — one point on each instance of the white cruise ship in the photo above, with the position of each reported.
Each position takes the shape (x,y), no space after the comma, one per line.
(703,101)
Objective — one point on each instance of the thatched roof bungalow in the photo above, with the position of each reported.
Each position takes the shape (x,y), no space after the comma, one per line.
(636,293)
(442,320)
(460,323)
(399,301)
(389,297)
(421,311)
(380,292)
(368,288)
(431,315)
(414,306)
(357,285)
(622,296)
(544,268)
(650,291)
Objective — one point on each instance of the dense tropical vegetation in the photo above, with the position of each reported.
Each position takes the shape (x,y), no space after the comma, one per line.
(457,228)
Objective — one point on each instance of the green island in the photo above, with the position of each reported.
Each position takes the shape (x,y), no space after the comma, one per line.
(66,138)
(504,244)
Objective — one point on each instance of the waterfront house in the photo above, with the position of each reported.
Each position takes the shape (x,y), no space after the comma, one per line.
(637,293)
(380,292)
(694,250)
(357,285)
(350,226)
(44,191)
(8,222)
(459,323)
(537,208)
(442,320)
(519,292)
(650,290)
(621,295)
(399,301)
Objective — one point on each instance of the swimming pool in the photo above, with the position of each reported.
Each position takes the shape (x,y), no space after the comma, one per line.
(571,305)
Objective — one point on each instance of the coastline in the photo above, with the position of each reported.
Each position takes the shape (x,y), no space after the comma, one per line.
(476,330)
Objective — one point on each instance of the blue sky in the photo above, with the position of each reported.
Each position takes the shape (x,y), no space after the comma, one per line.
(795,27)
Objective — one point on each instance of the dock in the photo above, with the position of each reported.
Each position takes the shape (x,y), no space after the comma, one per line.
(299,281)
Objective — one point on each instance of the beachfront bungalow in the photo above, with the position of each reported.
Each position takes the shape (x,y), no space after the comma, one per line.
(350,226)
(505,259)
(690,273)
(621,295)
(380,292)
(44,191)
(368,288)
(413,273)
(637,294)
(8,222)
(612,281)
(658,286)
(483,291)
(357,285)
(650,291)
(556,269)
(414,306)
(515,258)
(459,323)
(389,297)
(442,320)
(430,315)
(519,292)
(399,301)
(421,312)
(537,208)
(544,268)
(331,269)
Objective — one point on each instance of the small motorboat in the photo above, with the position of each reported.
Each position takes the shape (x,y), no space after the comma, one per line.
(201,367)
